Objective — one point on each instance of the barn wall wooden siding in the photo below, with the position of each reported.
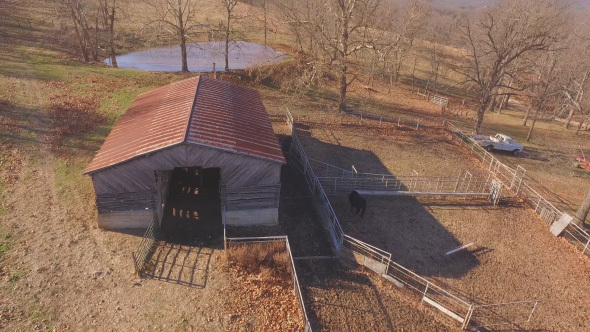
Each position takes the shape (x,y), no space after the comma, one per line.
(138,184)
(259,197)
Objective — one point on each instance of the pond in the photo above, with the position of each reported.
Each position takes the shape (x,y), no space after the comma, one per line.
(200,57)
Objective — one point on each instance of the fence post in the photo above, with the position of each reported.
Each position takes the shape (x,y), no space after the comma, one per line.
(380,119)
(467,317)
(398,121)
(417,124)
(425,291)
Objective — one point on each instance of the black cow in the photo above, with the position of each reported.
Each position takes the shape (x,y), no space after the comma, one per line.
(357,201)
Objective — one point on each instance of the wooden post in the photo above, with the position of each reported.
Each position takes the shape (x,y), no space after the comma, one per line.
(214,71)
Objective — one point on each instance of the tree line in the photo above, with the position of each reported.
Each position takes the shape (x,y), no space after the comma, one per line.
(536,49)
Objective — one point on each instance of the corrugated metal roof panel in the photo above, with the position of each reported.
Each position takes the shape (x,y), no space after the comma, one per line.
(197,110)
(230,116)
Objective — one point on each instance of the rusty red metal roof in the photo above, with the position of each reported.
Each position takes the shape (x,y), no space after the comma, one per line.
(198,110)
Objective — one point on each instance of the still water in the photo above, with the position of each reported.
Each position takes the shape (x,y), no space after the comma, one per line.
(201,57)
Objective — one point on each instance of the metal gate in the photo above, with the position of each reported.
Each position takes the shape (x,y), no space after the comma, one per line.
(495,191)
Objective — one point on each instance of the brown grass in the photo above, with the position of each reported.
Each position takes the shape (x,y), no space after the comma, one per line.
(268,259)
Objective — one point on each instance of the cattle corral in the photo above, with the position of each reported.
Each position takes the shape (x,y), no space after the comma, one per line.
(513,256)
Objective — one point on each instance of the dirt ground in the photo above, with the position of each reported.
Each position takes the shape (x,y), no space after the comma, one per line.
(514,256)
(342,298)
(69,275)
(371,149)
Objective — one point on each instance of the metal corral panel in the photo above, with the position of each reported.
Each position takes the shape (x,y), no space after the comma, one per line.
(200,111)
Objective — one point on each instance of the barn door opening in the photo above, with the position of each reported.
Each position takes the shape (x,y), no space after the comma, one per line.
(192,211)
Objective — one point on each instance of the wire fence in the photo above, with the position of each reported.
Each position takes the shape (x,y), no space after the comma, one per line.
(356,117)
(515,180)
(336,180)
(517,313)
(298,159)
(296,287)
(147,246)
(379,260)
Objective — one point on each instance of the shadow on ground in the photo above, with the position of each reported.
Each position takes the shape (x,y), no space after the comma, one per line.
(400,225)
(180,264)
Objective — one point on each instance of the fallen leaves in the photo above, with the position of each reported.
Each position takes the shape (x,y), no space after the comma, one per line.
(263,302)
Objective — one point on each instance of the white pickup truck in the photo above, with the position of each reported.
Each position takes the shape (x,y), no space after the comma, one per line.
(499,142)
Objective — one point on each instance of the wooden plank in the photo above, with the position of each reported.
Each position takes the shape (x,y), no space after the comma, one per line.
(396,282)
(458,249)
(561,224)
(416,193)
(443,309)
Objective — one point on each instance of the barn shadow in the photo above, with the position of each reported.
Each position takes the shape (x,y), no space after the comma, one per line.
(179,264)
(400,225)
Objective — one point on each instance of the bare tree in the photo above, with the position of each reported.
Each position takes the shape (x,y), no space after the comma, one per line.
(81,13)
(336,28)
(498,37)
(230,16)
(577,80)
(546,85)
(398,28)
(438,37)
(177,17)
(108,9)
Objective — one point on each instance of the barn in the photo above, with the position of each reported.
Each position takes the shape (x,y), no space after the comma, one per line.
(191,155)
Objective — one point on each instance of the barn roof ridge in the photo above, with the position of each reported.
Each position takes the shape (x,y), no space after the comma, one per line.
(198,110)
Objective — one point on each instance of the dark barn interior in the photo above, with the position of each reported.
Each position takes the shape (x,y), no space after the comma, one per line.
(192,211)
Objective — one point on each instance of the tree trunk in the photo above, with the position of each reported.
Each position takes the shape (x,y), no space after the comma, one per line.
(528,136)
(183,52)
(182,35)
(526,116)
(539,108)
(265,21)
(111,18)
(95,43)
(81,41)
(227,31)
(582,213)
(569,118)
(343,63)
(480,113)
(343,87)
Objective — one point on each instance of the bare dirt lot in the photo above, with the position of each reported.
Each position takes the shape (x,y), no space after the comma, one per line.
(391,150)
(514,256)
(59,271)
(341,298)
